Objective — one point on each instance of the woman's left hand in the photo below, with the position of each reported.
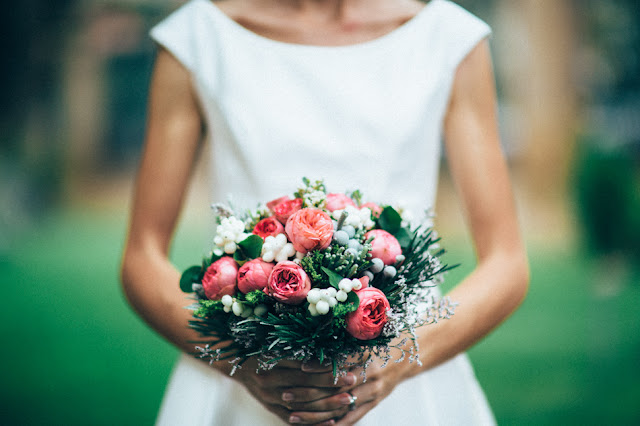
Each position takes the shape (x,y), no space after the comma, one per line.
(380,382)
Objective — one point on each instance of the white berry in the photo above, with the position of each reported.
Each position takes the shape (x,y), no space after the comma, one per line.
(322,307)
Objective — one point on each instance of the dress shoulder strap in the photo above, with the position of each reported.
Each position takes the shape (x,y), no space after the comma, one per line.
(181,33)
(459,31)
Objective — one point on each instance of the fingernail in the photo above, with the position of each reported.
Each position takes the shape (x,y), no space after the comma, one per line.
(350,379)
(294,419)
(345,400)
(287,396)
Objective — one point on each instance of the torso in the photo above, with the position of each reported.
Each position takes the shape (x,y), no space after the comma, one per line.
(320,26)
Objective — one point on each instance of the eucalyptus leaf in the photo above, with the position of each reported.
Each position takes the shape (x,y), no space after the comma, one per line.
(390,220)
(188,277)
(334,277)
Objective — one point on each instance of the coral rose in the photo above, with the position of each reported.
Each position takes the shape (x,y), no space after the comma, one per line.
(384,246)
(220,278)
(309,229)
(285,209)
(254,275)
(271,204)
(337,201)
(268,227)
(367,321)
(288,283)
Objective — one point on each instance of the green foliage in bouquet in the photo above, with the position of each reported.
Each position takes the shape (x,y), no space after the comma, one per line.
(325,322)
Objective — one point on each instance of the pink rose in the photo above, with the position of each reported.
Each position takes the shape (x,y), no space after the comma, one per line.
(271,204)
(309,229)
(367,321)
(268,227)
(336,201)
(384,246)
(288,283)
(285,209)
(254,275)
(375,209)
(220,278)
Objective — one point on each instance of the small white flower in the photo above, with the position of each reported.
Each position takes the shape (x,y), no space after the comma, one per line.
(228,234)
(277,248)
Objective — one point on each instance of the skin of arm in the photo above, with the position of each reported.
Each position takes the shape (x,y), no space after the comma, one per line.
(499,283)
(150,281)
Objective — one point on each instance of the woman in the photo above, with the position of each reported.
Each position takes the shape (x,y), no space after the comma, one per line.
(358,93)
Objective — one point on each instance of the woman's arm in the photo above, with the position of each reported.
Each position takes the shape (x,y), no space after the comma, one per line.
(150,281)
(499,282)
(172,140)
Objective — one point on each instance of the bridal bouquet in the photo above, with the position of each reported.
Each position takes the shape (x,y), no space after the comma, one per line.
(315,276)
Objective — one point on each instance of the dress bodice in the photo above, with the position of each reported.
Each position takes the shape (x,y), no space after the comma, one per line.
(367,115)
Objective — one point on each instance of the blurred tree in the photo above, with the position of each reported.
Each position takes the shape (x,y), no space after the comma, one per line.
(607,181)
(30,113)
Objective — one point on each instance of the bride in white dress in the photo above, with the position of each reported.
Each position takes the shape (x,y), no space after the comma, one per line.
(358,93)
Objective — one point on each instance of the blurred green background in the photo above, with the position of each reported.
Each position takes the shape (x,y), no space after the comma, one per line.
(74,90)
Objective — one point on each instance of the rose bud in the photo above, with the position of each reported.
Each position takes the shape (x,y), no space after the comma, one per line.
(367,321)
(337,201)
(254,275)
(220,278)
(285,209)
(384,246)
(375,209)
(268,227)
(288,283)
(309,229)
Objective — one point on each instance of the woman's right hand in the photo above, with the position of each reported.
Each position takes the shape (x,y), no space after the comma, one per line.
(297,393)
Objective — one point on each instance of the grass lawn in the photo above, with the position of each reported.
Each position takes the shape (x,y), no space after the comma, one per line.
(74,353)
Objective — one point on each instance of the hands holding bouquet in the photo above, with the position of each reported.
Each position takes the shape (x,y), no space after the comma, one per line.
(318,279)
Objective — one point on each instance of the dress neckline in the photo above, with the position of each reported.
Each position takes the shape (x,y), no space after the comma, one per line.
(384,38)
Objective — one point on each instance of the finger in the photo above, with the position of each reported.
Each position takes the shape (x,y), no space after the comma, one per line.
(297,378)
(285,363)
(302,395)
(315,367)
(330,403)
(315,417)
(356,414)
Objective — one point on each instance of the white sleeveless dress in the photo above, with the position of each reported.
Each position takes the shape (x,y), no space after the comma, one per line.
(365,116)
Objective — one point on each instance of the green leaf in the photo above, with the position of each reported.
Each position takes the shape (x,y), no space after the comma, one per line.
(334,277)
(188,277)
(353,298)
(239,256)
(404,237)
(390,220)
(251,246)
